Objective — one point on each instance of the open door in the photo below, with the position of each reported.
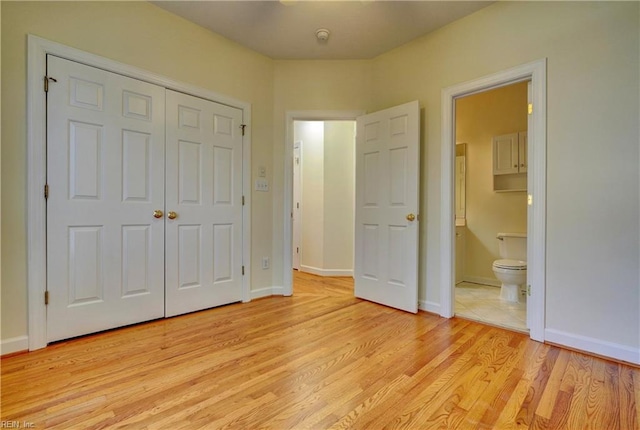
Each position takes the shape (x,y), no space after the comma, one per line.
(387,202)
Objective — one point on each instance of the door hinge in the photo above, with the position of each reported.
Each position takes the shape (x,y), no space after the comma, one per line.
(528,290)
(46,297)
(46,191)
(46,83)
(297,250)
(242,126)
(242,200)
(530,108)
(242,270)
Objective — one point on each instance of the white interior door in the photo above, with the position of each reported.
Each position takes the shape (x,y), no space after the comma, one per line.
(105,171)
(204,191)
(387,202)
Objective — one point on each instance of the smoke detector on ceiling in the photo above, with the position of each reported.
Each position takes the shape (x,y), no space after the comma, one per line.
(322,34)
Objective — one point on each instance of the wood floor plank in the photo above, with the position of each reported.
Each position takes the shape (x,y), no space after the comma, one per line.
(526,415)
(628,399)
(499,383)
(316,360)
(548,398)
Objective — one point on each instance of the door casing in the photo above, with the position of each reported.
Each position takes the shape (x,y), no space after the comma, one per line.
(297,191)
(536,72)
(37,50)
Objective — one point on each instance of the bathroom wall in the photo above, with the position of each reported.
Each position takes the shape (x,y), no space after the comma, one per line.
(479,118)
(327,210)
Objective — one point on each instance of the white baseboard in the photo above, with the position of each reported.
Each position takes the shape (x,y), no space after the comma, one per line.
(326,272)
(14,344)
(480,280)
(262,292)
(277,291)
(267,292)
(433,307)
(595,346)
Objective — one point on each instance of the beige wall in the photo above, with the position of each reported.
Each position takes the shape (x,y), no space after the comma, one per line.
(592,48)
(479,118)
(339,174)
(327,194)
(593,192)
(311,134)
(142,35)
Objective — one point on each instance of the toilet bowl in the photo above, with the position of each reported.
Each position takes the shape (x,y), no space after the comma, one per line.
(513,275)
(511,268)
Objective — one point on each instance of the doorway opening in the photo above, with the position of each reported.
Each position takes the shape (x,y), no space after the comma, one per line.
(491,206)
(323,197)
(535,72)
(309,119)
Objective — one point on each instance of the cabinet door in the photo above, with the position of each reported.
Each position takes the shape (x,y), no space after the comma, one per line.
(505,154)
(522,151)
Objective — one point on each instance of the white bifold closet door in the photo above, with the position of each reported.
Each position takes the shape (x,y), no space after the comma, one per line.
(204,190)
(118,170)
(105,171)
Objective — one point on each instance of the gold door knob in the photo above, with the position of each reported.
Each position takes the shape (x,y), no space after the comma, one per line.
(411,217)
(157,213)
(172,215)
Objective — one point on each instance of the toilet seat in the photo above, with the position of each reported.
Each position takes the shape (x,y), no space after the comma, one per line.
(510,264)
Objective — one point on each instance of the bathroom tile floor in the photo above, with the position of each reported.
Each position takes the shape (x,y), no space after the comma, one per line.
(482,303)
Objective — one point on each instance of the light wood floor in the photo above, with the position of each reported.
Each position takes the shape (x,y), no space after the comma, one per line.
(320,359)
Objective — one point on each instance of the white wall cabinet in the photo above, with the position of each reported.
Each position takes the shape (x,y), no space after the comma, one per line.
(510,153)
(510,162)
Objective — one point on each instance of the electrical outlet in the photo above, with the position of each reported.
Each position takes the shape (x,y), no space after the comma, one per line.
(262,185)
(265,262)
(262,172)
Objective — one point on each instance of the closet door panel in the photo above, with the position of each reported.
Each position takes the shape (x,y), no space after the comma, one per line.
(203,204)
(105,171)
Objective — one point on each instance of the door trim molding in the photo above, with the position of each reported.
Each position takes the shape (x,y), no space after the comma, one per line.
(297,184)
(536,72)
(291,116)
(37,50)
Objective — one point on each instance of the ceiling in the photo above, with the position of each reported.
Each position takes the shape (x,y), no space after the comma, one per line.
(286,29)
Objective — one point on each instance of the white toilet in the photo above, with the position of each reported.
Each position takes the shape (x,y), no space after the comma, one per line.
(511,269)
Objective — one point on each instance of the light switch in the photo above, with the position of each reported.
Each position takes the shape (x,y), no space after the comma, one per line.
(262,185)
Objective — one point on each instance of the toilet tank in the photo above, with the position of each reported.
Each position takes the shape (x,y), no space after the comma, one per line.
(513,246)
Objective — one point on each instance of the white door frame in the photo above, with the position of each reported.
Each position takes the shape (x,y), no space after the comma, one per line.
(297,222)
(291,116)
(38,48)
(536,72)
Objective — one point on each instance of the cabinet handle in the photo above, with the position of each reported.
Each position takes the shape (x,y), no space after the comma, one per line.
(515,165)
(522,165)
